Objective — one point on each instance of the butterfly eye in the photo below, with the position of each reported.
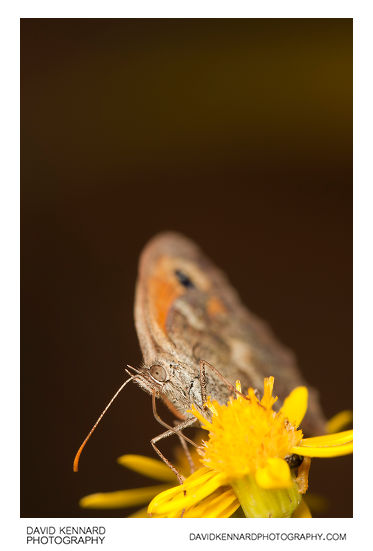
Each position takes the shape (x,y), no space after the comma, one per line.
(184,279)
(158,373)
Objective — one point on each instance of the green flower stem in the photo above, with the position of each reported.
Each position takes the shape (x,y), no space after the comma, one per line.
(257,502)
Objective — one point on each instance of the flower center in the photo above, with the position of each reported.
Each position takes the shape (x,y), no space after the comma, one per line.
(245,433)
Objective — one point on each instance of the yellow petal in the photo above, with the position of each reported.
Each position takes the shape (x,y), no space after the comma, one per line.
(230,510)
(302,511)
(339,421)
(201,474)
(275,475)
(295,405)
(221,504)
(331,451)
(121,499)
(194,489)
(192,496)
(148,467)
(328,440)
(217,505)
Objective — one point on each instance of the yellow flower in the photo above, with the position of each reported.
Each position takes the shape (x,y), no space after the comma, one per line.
(246,459)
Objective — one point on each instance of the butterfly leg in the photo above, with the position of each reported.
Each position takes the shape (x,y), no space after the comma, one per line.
(187,453)
(202,378)
(183,425)
(166,425)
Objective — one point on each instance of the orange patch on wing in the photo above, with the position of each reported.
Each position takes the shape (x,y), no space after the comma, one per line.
(215,306)
(163,291)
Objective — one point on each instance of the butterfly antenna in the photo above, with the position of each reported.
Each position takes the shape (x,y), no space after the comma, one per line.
(78,453)
(133,369)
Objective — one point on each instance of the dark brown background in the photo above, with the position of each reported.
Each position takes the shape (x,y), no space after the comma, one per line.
(237,133)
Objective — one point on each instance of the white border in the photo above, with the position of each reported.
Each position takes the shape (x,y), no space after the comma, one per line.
(161,533)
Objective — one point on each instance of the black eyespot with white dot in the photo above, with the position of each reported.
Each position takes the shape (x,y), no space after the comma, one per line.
(184,279)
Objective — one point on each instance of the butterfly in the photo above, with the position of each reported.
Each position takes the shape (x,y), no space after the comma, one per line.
(198,339)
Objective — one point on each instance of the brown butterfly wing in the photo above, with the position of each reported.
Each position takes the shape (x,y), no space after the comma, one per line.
(186,309)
